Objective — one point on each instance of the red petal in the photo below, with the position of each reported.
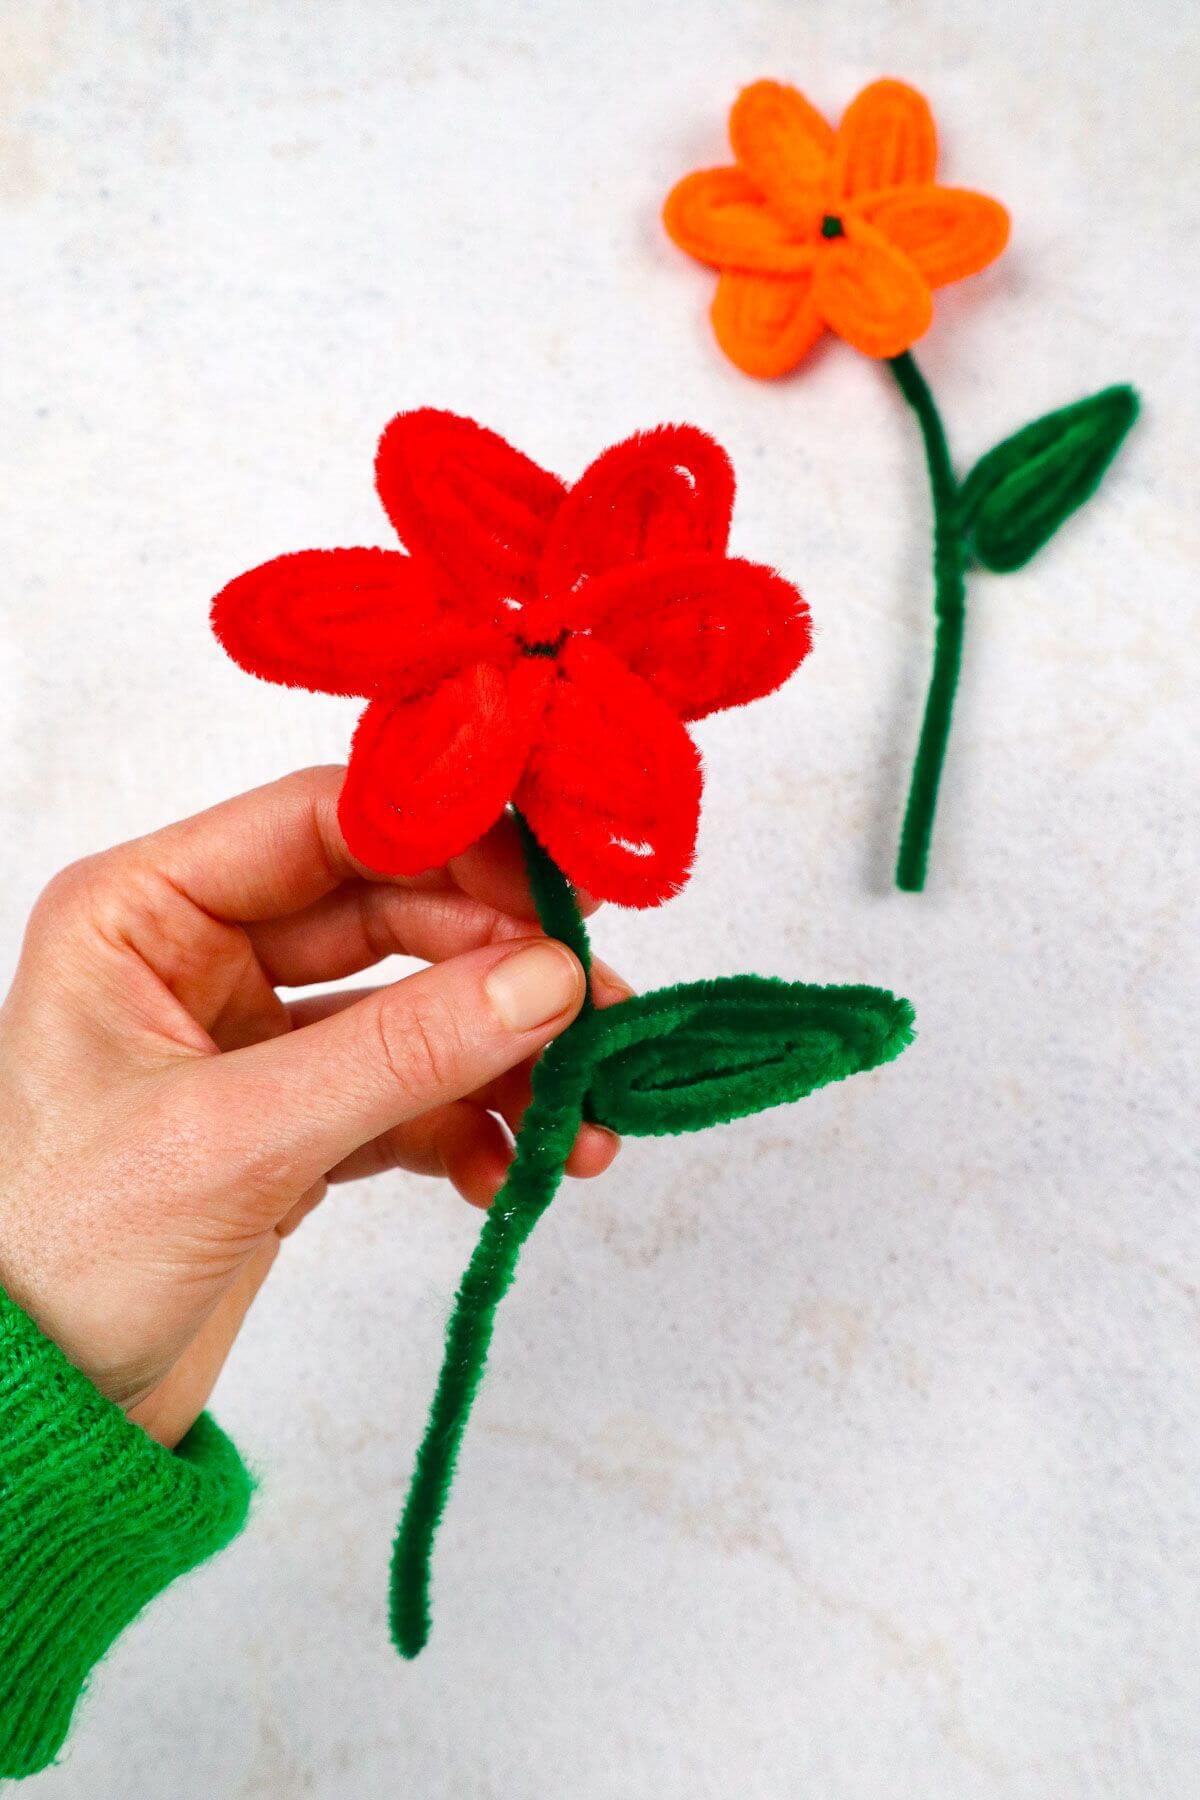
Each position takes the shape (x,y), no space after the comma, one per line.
(705,631)
(612,788)
(659,491)
(458,494)
(345,622)
(427,777)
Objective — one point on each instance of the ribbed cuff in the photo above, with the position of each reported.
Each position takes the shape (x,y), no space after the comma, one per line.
(95,1519)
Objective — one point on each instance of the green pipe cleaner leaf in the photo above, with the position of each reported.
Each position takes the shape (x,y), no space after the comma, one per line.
(705,1052)
(1017,496)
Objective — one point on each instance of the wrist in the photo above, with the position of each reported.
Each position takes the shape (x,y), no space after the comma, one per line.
(95,1519)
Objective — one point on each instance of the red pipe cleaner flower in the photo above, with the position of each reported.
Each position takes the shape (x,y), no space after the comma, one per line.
(542,644)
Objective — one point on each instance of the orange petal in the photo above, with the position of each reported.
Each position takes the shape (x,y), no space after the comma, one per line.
(765,323)
(783,144)
(887,138)
(871,295)
(719,216)
(945,232)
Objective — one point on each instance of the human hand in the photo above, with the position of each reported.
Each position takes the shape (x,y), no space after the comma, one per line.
(168,1119)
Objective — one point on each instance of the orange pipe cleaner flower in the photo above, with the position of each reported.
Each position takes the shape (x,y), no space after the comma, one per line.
(847,229)
(819,228)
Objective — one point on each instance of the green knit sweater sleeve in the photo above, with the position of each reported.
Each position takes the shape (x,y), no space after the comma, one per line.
(95,1519)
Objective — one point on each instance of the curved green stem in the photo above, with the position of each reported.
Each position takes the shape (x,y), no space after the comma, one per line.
(548,1131)
(949,575)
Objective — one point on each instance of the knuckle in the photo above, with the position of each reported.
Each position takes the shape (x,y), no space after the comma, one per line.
(420,1043)
(71,894)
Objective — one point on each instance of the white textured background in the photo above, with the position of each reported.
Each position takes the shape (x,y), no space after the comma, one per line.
(850,1452)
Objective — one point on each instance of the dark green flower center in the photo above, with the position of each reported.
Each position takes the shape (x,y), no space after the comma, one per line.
(544,646)
(831,226)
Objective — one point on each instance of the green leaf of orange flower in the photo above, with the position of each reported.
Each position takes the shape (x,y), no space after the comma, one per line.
(1017,496)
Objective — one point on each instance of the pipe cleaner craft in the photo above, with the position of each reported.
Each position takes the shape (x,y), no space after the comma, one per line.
(815,229)
(542,647)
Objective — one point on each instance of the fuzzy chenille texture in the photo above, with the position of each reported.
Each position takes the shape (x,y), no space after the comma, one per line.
(707,1052)
(95,1520)
(698,1054)
(1007,508)
(543,1144)
(1020,492)
(814,229)
(541,643)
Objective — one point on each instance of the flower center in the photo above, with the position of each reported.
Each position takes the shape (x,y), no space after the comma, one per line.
(543,646)
(832,227)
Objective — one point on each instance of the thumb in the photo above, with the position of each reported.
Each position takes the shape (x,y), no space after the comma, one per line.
(293,1107)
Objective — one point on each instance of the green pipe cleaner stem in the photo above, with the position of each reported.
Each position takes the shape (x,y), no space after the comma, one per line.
(547,1133)
(554,897)
(949,606)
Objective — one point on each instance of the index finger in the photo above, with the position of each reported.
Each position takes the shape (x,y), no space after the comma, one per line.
(280,847)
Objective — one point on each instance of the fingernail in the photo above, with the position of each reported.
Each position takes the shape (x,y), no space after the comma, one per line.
(604,1139)
(607,983)
(533,985)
